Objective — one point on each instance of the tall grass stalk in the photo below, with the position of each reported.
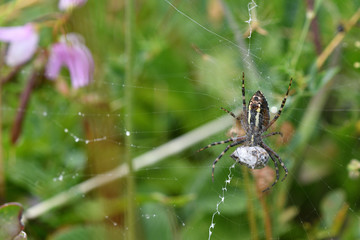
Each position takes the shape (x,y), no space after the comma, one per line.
(266,214)
(128,99)
(310,14)
(2,172)
(250,204)
(337,40)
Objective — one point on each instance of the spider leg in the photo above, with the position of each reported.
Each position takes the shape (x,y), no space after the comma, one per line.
(243,100)
(272,134)
(281,108)
(231,113)
(272,152)
(277,173)
(222,142)
(243,95)
(222,154)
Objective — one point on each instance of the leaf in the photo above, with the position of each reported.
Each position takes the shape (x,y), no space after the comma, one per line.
(334,210)
(331,204)
(10,221)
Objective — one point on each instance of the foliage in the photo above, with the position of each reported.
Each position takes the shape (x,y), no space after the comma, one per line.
(10,221)
(186,65)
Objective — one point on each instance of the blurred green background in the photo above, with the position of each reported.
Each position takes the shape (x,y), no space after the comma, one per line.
(188,59)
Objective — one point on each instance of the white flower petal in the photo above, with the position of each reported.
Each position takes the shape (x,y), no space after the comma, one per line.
(22,50)
(18,33)
(69,4)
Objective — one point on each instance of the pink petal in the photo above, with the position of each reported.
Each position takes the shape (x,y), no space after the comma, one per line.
(68,4)
(21,52)
(23,43)
(76,57)
(56,60)
(80,65)
(19,33)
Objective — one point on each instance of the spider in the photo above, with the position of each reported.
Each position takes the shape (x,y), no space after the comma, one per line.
(255,119)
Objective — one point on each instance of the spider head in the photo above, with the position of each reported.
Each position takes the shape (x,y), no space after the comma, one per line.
(257,101)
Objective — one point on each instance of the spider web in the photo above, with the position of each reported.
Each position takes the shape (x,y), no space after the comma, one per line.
(195,207)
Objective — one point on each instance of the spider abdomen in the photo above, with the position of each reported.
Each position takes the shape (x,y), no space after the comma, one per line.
(258,113)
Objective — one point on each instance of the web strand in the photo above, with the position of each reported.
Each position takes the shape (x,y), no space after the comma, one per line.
(222,199)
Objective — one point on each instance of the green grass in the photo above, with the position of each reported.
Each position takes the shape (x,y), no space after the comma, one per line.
(181,74)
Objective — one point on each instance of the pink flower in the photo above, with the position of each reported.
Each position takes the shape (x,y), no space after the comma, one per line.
(73,54)
(23,41)
(69,4)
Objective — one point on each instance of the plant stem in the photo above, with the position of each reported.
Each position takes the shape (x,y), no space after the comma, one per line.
(2,171)
(314,27)
(336,40)
(266,215)
(24,101)
(250,205)
(129,78)
(310,15)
